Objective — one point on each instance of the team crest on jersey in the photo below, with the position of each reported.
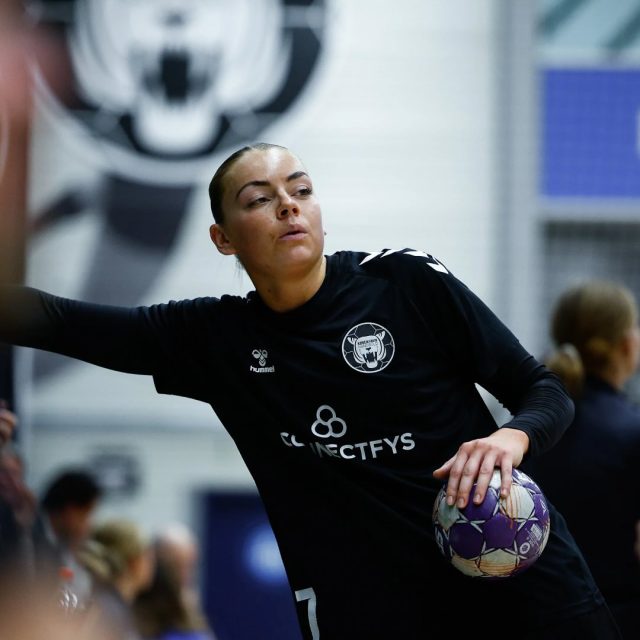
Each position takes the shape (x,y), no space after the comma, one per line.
(368,347)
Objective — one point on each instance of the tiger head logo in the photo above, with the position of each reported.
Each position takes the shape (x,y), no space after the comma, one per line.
(368,347)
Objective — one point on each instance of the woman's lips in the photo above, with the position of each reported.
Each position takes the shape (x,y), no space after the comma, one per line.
(293,234)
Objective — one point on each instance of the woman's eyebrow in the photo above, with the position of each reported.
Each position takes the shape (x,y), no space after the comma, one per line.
(253,183)
(296,175)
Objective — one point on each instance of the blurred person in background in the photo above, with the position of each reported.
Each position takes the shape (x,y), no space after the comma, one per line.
(170,608)
(20,42)
(18,504)
(29,613)
(178,547)
(65,518)
(18,509)
(8,423)
(592,474)
(121,561)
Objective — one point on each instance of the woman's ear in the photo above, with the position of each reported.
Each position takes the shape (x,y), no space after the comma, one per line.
(220,239)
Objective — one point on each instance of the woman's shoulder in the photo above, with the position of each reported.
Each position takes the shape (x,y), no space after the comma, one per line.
(611,411)
(390,262)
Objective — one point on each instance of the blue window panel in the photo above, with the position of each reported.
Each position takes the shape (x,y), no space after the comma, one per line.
(590,120)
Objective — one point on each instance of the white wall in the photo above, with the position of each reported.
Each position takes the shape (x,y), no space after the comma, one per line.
(398,132)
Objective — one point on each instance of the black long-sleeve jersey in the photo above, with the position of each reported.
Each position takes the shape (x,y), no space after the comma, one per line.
(342,408)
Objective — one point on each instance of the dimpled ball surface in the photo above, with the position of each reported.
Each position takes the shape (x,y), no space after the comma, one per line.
(498,538)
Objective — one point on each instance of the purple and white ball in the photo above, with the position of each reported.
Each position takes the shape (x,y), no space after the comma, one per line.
(499,537)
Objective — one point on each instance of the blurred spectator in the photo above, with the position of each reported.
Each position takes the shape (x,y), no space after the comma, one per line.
(591,475)
(170,608)
(17,502)
(121,561)
(8,423)
(18,506)
(65,519)
(28,612)
(21,41)
(179,548)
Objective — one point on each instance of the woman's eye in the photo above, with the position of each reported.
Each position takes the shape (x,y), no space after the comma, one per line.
(258,201)
(304,191)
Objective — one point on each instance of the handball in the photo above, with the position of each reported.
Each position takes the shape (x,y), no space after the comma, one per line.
(498,538)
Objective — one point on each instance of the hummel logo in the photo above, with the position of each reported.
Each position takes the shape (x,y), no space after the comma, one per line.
(261,356)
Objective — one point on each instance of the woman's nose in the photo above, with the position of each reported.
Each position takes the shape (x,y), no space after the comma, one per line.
(287,206)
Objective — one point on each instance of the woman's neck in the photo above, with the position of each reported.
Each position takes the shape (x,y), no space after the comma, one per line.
(615,374)
(286,294)
(127,588)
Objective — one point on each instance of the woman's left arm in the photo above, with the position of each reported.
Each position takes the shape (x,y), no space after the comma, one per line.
(489,353)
